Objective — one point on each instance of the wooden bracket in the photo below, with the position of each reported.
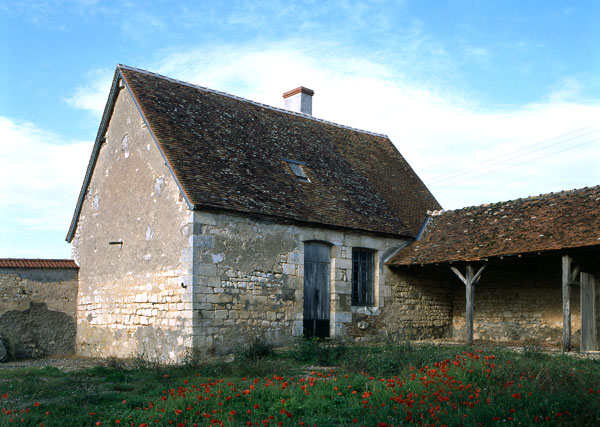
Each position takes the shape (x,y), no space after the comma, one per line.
(474,278)
(469,281)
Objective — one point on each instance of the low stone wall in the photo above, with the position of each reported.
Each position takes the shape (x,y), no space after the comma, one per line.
(38,311)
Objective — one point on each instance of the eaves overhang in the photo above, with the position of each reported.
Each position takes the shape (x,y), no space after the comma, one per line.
(492,256)
(284,219)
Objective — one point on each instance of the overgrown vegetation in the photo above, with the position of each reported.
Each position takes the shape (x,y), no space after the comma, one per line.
(316,383)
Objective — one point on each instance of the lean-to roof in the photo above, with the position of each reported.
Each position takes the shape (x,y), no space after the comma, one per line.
(555,221)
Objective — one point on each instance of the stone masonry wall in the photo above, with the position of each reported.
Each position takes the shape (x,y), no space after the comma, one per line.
(518,300)
(421,303)
(249,280)
(133,245)
(37,311)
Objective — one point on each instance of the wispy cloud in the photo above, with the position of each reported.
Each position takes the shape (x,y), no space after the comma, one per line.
(40,176)
(92,97)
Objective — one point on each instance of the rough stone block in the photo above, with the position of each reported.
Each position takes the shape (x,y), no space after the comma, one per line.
(289,269)
(298,328)
(202,241)
(205,218)
(343,263)
(295,258)
(343,287)
(224,298)
(342,317)
(221,314)
(206,270)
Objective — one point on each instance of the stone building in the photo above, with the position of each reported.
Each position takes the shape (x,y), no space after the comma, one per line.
(37,307)
(519,270)
(206,220)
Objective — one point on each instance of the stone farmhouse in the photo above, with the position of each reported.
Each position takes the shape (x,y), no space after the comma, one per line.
(206,221)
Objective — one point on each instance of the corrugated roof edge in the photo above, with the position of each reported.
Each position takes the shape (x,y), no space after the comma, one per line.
(37,263)
(239,98)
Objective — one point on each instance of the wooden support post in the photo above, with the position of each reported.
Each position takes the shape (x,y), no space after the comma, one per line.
(469,304)
(566,297)
(589,341)
(470,279)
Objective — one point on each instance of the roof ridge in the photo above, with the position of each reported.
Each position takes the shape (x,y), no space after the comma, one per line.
(239,98)
(524,199)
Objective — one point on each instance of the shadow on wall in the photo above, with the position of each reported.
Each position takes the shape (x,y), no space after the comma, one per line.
(37,332)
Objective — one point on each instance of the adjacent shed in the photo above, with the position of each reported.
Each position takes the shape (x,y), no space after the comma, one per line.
(529,259)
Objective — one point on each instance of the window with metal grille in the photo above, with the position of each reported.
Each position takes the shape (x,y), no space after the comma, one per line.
(363,273)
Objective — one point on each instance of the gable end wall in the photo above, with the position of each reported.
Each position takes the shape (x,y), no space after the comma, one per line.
(131,302)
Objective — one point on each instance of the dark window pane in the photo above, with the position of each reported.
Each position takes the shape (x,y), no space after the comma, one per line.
(363,262)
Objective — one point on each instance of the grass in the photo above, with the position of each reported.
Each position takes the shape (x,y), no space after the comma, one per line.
(316,383)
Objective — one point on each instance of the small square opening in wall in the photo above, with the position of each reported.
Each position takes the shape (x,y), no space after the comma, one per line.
(298,169)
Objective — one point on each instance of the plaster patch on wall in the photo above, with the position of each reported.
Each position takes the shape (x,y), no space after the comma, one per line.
(217,258)
(125,145)
(159,184)
(149,233)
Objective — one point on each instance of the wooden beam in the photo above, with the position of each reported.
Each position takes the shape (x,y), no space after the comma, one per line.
(566,297)
(459,274)
(478,274)
(469,304)
(469,280)
(589,341)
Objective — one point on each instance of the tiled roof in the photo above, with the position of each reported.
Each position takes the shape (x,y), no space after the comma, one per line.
(37,263)
(569,219)
(227,153)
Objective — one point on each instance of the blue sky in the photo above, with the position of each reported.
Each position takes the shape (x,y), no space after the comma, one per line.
(488,100)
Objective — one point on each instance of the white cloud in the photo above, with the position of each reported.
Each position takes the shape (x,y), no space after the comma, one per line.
(41,176)
(92,97)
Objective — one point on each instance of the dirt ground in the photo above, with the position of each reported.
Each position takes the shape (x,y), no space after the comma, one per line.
(73,363)
(66,364)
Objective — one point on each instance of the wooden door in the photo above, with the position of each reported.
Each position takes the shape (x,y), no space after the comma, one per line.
(588,312)
(316,289)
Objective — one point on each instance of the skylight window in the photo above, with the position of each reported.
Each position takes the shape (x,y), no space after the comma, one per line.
(297,168)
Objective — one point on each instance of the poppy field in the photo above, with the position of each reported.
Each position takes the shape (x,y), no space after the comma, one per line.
(316,384)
